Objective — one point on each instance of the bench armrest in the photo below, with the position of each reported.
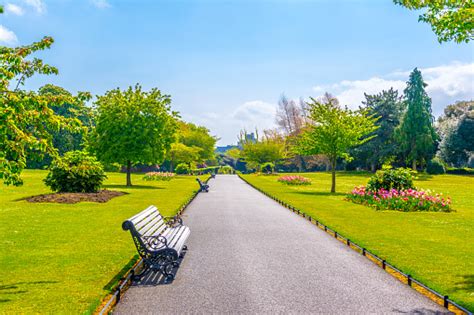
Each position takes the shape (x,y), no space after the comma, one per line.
(173,221)
(156,242)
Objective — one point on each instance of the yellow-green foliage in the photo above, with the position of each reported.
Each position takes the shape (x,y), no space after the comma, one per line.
(60,257)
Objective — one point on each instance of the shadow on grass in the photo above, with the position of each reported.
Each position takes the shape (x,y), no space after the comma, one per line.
(319,193)
(132,187)
(466,283)
(18,288)
(423,177)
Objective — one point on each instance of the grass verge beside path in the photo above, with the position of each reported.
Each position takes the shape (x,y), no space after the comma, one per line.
(60,257)
(435,248)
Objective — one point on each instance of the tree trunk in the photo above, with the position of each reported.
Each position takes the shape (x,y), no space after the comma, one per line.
(303,163)
(372,167)
(129,173)
(333,184)
(413,165)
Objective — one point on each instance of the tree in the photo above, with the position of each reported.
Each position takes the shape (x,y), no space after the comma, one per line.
(333,131)
(133,127)
(65,140)
(416,134)
(257,151)
(458,144)
(197,137)
(290,116)
(387,106)
(449,19)
(181,153)
(26,117)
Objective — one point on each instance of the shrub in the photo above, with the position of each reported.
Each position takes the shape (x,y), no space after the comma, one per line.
(182,168)
(294,180)
(399,179)
(460,171)
(164,176)
(76,171)
(226,169)
(401,200)
(435,166)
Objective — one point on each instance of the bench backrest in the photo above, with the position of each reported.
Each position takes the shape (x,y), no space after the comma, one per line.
(147,223)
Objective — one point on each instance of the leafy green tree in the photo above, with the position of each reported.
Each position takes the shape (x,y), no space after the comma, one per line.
(449,19)
(458,144)
(26,117)
(181,153)
(257,151)
(387,106)
(133,127)
(333,131)
(416,134)
(65,140)
(197,137)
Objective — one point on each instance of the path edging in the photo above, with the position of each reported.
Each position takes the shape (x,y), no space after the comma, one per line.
(433,295)
(114,297)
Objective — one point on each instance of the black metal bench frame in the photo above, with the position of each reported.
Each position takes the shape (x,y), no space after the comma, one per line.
(202,186)
(160,250)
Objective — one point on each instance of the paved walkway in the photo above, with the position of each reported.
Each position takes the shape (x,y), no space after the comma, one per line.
(248,254)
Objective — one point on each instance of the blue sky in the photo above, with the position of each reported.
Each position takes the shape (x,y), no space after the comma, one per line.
(226,63)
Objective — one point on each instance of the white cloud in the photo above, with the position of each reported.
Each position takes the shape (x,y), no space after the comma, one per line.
(227,125)
(7,36)
(13,9)
(101,4)
(446,84)
(38,5)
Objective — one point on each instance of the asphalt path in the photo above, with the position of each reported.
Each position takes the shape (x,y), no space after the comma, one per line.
(248,254)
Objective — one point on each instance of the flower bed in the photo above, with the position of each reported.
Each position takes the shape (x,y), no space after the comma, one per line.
(294,180)
(165,176)
(401,200)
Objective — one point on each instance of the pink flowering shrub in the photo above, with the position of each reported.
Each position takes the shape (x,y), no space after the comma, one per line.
(165,176)
(401,200)
(294,180)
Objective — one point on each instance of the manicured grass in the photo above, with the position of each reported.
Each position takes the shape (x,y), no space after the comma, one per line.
(59,258)
(435,248)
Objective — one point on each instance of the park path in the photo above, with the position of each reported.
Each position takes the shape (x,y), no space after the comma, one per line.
(248,254)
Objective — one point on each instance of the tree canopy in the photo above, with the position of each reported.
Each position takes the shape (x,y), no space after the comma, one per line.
(449,19)
(133,127)
(416,134)
(26,117)
(387,106)
(333,130)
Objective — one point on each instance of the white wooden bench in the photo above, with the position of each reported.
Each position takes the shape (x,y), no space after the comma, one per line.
(160,241)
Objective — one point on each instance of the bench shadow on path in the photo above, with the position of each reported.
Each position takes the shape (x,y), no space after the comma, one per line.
(422,311)
(152,279)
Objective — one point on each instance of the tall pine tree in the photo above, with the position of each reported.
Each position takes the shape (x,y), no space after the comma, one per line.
(416,133)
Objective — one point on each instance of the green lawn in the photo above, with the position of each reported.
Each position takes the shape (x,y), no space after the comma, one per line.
(60,257)
(436,248)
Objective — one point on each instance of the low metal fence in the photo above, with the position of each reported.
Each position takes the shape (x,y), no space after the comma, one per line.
(394,271)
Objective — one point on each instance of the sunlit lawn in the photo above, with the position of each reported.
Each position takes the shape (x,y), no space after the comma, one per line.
(60,257)
(436,248)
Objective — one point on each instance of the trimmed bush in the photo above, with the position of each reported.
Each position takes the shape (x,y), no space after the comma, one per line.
(399,179)
(76,171)
(435,166)
(226,169)
(182,169)
(460,171)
